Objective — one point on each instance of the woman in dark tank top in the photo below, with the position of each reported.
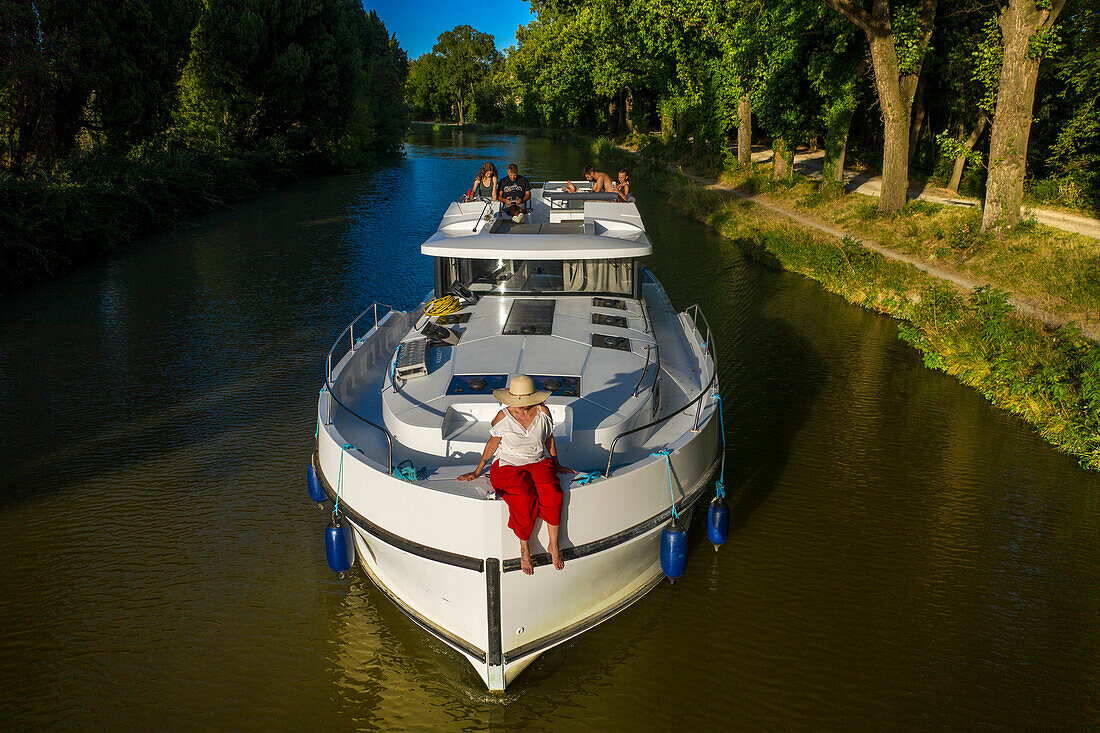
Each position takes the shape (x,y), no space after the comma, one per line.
(485,185)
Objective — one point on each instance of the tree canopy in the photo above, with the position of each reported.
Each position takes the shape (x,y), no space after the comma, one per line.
(911,86)
(129,76)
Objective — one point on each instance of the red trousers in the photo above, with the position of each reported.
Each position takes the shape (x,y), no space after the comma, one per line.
(530,491)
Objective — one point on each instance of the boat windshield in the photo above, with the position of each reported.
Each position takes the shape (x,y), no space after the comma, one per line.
(543,277)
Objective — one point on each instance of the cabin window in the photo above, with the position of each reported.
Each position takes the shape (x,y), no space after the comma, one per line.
(540,277)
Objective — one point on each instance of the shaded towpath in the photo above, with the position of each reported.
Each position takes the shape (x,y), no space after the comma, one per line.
(1022,305)
(811,163)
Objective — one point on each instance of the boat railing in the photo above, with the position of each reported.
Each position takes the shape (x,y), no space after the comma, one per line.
(353,344)
(697,401)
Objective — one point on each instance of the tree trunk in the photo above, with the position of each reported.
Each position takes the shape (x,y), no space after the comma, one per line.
(1004,188)
(960,162)
(461,112)
(895,91)
(896,107)
(781,159)
(628,108)
(744,132)
(835,148)
(838,166)
(918,121)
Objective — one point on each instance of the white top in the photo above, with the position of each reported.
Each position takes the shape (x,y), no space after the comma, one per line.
(518,447)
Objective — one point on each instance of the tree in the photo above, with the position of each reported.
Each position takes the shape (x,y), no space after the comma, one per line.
(422,88)
(102,69)
(296,75)
(466,57)
(898,41)
(1027,33)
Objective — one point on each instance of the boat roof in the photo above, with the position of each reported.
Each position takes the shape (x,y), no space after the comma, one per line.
(557,228)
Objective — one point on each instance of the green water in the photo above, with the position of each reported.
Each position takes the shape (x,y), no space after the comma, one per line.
(902,554)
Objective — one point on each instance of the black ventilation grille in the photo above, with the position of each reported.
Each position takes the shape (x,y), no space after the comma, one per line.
(473,384)
(609,303)
(603,341)
(602,319)
(530,318)
(558,386)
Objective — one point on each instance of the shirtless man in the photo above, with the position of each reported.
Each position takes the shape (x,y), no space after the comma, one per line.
(601,182)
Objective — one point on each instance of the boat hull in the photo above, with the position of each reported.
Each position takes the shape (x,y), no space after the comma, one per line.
(479,602)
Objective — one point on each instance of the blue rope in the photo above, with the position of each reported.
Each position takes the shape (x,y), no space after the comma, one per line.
(340,479)
(720,484)
(393,368)
(668,465)
(406,471)
(586,478)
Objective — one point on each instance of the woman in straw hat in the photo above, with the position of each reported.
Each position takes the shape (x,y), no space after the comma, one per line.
(524,473)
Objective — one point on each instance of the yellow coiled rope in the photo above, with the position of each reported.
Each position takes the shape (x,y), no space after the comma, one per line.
(443,306)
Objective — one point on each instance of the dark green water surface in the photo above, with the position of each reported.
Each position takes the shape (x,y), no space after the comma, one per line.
(902,554)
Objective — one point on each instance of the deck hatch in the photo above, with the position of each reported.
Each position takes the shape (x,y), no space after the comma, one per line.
(603,319)
(603,341)
(609,303)
(530,318)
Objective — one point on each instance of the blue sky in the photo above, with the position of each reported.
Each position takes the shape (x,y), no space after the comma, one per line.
(417,23)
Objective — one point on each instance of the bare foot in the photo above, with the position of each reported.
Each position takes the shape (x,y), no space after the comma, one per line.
(555,555)
(525,563)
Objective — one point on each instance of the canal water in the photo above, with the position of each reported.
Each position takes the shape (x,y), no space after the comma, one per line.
(902,554)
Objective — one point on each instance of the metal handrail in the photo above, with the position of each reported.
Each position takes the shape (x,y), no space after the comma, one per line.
(644,369)
(350,330)
(669,416)
(697,313)
(697,399)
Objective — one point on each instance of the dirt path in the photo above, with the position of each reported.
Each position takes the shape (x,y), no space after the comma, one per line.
(811,164)
(943,273)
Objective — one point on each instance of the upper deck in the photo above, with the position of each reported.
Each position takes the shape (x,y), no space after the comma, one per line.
(559,225)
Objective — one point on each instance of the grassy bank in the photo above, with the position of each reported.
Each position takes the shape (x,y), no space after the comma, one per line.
(1049,377)
(98,205)
(1054,270)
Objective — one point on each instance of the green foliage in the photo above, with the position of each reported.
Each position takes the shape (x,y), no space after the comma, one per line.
(908,31)
(121,117)
(460,79)
(952,147)
(263,71)
(988,57)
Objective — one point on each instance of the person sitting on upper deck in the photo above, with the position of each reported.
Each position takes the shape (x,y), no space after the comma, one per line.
(525,473)
(485,185)
(601,182)
(623,186)
(514,191)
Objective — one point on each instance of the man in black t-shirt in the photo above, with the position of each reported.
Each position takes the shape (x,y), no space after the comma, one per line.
(514,191)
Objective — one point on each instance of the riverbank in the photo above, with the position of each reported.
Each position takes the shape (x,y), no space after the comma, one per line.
(1040,365)
(99,205)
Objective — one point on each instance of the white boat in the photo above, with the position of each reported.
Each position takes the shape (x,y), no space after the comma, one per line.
(562,297)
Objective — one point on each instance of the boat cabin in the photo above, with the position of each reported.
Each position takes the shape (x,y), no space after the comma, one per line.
(559,297)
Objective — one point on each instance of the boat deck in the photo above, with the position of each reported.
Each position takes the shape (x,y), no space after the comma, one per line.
(445,433)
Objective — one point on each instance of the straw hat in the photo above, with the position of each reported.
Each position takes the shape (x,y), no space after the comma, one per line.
(521,392)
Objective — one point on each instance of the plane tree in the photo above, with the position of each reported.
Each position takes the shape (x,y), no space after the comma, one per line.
(898,34)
